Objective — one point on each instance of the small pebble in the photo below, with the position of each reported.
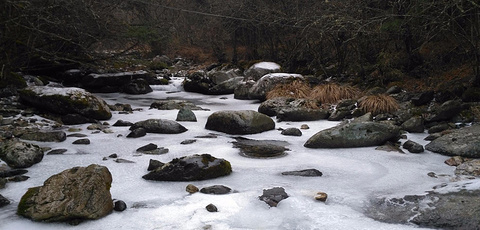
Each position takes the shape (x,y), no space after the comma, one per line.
(321,196)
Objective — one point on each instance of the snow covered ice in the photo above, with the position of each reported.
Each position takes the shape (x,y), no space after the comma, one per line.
(351,177)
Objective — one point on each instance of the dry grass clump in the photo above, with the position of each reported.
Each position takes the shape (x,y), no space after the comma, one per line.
(294,89)
(378,104)
(333,93)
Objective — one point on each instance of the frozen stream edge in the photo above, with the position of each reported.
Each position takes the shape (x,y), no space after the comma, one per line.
(351,177)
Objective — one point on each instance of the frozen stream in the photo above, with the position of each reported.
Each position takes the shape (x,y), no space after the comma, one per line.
(351,177)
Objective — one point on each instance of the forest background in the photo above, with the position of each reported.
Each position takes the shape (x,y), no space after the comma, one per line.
(416,44)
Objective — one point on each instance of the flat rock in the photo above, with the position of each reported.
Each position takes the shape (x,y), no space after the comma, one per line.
(260,148)
(463,142)
(216,189)
(273,196)
(304,173)
(353,135)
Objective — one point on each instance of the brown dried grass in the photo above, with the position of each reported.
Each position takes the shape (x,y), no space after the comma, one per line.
(294,89)
(332,93)
(378,104)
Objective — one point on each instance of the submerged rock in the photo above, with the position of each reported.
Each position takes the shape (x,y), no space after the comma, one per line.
(353,135)
(76,194)
(191,168)
(413,147)
(260,148)
(216,189)
(304,173)
(239,122)
(273,196)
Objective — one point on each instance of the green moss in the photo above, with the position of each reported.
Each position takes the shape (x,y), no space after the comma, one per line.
(158,66)
(26,201)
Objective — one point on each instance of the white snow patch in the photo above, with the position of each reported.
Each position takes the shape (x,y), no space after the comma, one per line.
(267,65)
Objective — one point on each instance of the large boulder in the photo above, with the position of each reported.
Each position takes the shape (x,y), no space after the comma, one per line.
(191,168)
(436,210)
(214,82)
(260,69)
(137,86)
(76,194)
(463,142)
(159,126)
(18,154)
(353,135)
(66,101)
(118,82)
(446,111)
(239,122)
(260,89)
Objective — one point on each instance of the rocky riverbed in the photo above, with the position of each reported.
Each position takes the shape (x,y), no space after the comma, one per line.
(268,179)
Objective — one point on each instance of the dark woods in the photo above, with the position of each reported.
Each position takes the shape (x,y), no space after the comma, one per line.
(365,40)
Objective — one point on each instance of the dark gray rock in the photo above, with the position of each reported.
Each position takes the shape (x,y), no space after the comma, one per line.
(138,132)
(121,160)
(76,119)
(154,164)
(187,142)
(413,147)
(216,189)
(260,148)
(18,178)
(83,141)
(137,86)
(50,136)
(78,193)
(18,154)
(3,182)
(454,210)
(273,196)
(12,172)
(123,123)
(119,206)
(463,142)
(394,90)
(191,168)
(304,173)
(185,114)
(160,126)
(173,105)
(354,135)
(148,147)
(66,101)
(414,125)
(3,201)
(438,128)
(57,152)
(77,135)
(292,109)
(239,122)
(422,98)
(292,132)
(446,111)
(211,208)
(302,114)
